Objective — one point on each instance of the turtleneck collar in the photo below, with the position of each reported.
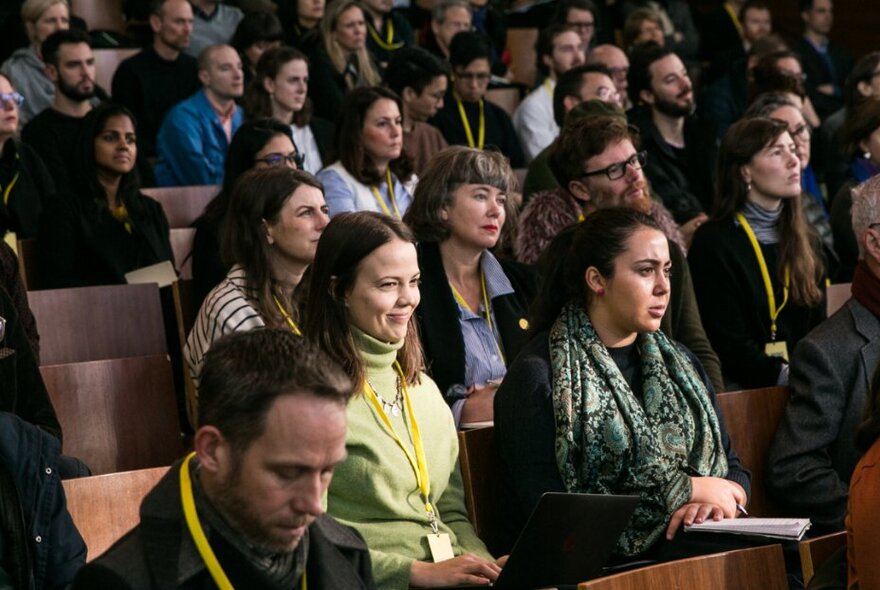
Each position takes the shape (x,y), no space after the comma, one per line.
(378,356)
(764,223)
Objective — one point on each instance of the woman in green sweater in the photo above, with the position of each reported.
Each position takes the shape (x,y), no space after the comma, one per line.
(400,485)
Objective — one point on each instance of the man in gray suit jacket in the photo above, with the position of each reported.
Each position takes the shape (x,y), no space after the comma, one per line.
(813,454)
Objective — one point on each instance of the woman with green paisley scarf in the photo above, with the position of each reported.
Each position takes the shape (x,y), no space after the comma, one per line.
(600,401)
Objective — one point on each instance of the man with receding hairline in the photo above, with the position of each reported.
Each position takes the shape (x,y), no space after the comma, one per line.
(272,416)
(195,135)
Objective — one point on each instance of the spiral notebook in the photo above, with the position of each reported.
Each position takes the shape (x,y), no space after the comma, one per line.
(792,529)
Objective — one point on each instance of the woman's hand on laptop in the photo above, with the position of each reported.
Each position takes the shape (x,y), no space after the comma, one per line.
(464,569)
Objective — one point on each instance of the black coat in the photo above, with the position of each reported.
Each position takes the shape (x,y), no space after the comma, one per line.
(499,127)
(818,73)
(155,553)
(437,315)
(32,188)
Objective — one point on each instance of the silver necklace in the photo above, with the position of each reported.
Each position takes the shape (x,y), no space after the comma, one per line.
(392,407)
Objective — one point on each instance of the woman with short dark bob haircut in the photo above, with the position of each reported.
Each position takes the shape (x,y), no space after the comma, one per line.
(371,171)
(601,401)
(276,217)
(758,236)
(363,292)
(473,311)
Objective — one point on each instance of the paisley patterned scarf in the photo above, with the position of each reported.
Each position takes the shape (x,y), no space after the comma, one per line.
(609,443)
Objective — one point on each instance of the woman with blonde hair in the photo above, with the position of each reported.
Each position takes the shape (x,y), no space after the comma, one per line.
(341,60)
(25,67)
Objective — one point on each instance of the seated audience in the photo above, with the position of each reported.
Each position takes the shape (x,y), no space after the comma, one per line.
(271,231)
(195,135)
(814,451)
(421,81)
(676,25)
(301,20)
(472,317)
(861,135)
(42,548)
(467,118)
(589,404)
(340,62)
(613,58)
(642,26)
(103,226)
(26,183)
(756,265)
(280,91)
(826,64)
(270,436)
(214,23)
(25,68)
(256,33)
(70,65)
(559,49)
(154,80)
(372,173)
(362,294)
(861,520)
(681,147)
(388,30)
(605,144)
(448,19)
(261,143)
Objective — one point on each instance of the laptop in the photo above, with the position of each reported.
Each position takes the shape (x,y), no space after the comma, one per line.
(567,540)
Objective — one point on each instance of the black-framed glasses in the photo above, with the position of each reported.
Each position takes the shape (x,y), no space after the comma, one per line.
(295,158)
(618,169)
(6,97)
(802,132)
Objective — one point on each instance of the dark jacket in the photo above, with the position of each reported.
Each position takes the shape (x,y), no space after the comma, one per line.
(813,454)
(22,391)
(683,184)
(499,127)
(158,552)
(31,187)
(82,244)
(41,546)
(733,303)
(11,280)
(438,316)
(845,242)
(525,433)
(817,73)
(403,35)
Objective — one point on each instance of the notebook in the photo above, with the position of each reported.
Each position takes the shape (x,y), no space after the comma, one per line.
(775,528)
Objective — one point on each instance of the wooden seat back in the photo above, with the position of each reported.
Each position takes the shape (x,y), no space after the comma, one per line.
(105,507)
(183,204)
(481,474)
(182,245)
(521,44)
(100,15)
(815,552)
(836,296)
(117,414)
(752,417)
(760,568)
(94,323)
(507,98)
(107,61)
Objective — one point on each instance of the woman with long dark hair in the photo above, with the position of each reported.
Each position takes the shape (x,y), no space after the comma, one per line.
(103,227)
(757,268)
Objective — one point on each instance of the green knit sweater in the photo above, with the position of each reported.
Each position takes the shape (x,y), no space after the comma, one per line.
(375,489)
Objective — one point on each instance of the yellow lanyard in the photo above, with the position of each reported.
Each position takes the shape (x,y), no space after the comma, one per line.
(9,189)
(734,17)
(120,214)
(548,84)
(387,44)
(481,138)
(418,463)
(198,534)
(765,274)
(486,309)
(293,327)
(381,201)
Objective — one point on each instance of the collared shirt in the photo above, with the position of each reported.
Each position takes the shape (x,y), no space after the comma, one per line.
(483,350)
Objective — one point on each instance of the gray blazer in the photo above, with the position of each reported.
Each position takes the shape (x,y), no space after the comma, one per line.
(813,455)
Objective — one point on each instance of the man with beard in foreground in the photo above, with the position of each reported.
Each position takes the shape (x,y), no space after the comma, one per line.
(70,65)
(681,148)
(244,510)
(598,167)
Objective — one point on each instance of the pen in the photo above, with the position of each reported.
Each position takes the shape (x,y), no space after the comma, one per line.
(742,509)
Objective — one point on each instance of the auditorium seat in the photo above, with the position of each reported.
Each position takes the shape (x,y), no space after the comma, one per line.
(521,44)
(100,15)
(481,475)
(752,417)
(508,98)
(836,296)
(761,568)
(181,245)
(117,414)
(183,204)
(815,552)
(95,323)
(105,507)
(106,62)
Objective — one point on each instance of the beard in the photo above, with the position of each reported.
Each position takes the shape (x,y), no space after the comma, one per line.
(72,93)
(675,109)
(605,198)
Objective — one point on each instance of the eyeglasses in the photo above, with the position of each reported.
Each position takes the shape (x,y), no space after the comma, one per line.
(606,94)
(618,169)
(581,26)
(295,158)
(471,76)
(801,132)
(11,97)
